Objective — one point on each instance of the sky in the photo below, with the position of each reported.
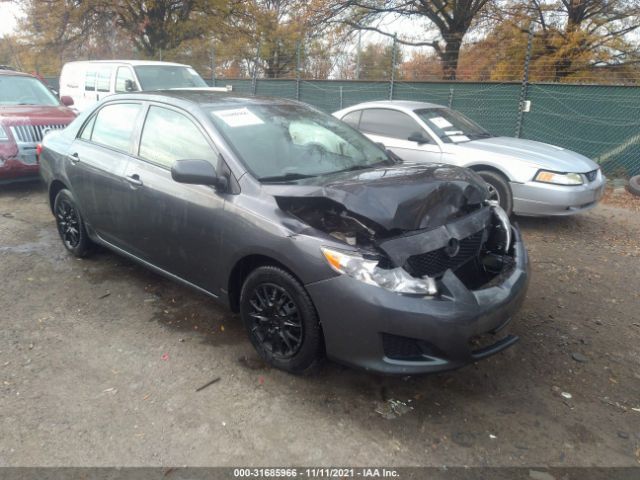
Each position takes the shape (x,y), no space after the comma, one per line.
(8,13)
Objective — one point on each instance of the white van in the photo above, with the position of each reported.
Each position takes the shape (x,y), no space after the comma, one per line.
(87,82)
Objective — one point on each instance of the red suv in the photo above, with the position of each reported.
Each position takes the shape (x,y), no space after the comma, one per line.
(28,110)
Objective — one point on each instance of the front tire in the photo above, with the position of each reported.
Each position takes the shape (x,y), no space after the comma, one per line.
(281,320)
(499,189)
(71,225)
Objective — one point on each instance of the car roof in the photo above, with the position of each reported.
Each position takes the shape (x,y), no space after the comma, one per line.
(133,63)
(15,73)
(404,105)
(205,98)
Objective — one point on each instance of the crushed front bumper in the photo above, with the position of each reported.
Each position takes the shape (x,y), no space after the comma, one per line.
(543,199)
(361,322)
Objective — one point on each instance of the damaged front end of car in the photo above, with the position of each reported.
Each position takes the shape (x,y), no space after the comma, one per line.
(405,238)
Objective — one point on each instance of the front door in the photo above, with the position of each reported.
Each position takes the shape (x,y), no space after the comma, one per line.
(393,129)
(174,226)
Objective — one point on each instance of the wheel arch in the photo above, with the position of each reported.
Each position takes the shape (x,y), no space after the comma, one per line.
(54,189)
(242,268)
(478,167)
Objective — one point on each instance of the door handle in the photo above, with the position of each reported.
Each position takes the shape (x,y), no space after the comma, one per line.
(74,157)
(134,180)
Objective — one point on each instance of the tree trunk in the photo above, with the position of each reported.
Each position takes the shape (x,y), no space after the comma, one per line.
(450,56)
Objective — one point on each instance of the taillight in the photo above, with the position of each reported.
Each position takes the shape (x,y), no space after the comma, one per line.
(38,151)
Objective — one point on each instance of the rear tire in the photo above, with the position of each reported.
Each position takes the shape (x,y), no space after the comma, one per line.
(499,189)
(281,321)
(71,225)
(633,186)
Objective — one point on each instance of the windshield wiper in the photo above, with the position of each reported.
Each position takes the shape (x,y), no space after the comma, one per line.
(480,135)
(288,177)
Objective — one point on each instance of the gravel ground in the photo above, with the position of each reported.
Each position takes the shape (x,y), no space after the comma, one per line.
(100,360)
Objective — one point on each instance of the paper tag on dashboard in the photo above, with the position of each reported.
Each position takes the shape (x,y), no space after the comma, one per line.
(441,122)
(238,117)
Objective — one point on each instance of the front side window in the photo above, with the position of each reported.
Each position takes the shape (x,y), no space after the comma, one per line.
(160,77)
(103,83)
(22,90)
(124,74)
(114,125)
(451,126)
(168,136)
(389,123)
(286,142)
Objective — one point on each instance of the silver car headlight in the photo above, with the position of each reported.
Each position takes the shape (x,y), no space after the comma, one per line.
(394,279)
(556,178)
(4,136)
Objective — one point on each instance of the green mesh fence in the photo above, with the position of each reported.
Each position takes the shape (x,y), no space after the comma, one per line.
(599,121)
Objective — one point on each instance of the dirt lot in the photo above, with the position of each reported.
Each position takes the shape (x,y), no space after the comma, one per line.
(100,359)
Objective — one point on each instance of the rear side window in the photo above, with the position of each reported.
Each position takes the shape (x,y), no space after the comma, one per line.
(168,136)
(90,81)
(353,118)
(103,83)
(388,123)
(114,125)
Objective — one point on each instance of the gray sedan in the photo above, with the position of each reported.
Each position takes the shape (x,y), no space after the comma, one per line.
(524,176)
(321,240)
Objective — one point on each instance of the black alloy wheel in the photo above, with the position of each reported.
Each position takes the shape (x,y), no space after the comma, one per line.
(276,320)
(281,320)
(70,224)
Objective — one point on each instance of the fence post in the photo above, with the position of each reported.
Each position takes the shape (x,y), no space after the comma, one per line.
(450,101)
(254,76)
(358,55)
(525,82)
(340,88)
(393,67)
(298,67)
(213,66)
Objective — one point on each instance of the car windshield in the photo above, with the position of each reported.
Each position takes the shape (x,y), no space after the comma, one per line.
(19,90)
(160,77)
(289,142)
(451,126)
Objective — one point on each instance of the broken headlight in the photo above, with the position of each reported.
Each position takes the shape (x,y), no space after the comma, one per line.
(366,270)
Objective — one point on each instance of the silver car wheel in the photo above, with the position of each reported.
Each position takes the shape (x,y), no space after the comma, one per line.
(494,194)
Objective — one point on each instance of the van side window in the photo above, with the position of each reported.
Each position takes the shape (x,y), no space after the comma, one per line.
(168,136)
(123,74)
(90,81)
(104,80)
(114,125)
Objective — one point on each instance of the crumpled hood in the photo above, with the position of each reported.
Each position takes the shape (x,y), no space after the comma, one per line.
(537,154)
(35,115)
(401,197)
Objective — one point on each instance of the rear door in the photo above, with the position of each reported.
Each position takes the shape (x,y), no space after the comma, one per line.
(175,226)
(96,165)
(393,129)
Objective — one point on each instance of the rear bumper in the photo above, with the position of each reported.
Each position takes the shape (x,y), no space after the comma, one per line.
(362,323)
(542,199)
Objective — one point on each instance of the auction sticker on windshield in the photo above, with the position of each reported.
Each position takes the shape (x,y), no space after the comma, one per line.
(441,122)
(238,117)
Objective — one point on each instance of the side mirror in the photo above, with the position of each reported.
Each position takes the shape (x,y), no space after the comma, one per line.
(419,138)
(66,100)
(198,172)
(130,86)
